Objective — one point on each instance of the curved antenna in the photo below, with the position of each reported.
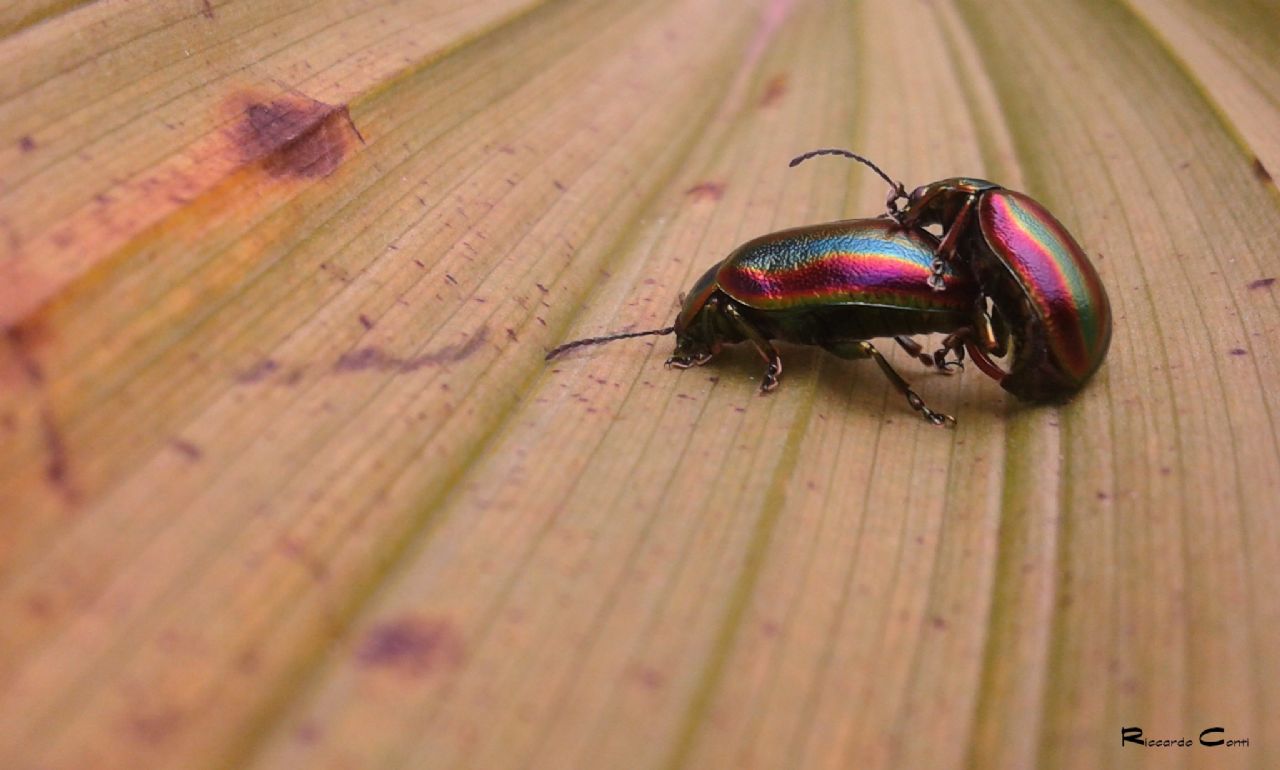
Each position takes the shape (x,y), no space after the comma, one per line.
(606,338)
(896,189)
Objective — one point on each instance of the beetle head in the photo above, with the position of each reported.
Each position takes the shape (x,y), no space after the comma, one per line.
(695,327)
(939,203)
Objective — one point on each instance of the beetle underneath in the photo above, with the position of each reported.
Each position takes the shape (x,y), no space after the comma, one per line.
(836,286)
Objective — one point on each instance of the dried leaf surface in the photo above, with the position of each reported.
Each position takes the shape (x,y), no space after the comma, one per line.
(285,481)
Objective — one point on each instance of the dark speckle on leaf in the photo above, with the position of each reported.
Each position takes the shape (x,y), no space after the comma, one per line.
(186,449)
(378,359)
(706,191)
(1262,283)
(258,372)
(774,90)
(412,645)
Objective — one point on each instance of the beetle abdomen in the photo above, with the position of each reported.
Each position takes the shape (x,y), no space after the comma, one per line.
(862,262)
(1062,287)
(836,323)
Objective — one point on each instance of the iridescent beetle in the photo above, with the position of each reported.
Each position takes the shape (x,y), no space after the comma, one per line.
(1023,259)
(833,285)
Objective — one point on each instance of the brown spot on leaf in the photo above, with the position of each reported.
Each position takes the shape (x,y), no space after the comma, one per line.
(774,90)
(57,467)
(249,662)
(206,9)
(1260,171)
(297,550)
(412,645)
(1238,352)
(156,726)
(186,449)
(39,606)
(378,359)
(1262,283)
(26,143)
(308,733)
(258,372)
(21,339)
(365,321)
(706,191)
(291,136)
(650,677)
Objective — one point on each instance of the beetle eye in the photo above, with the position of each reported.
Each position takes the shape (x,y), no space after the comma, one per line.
(916,195)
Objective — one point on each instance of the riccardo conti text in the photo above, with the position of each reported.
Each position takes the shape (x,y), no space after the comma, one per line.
(1212,737)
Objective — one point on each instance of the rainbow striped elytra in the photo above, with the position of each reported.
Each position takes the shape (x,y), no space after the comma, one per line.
(1037,278)
(1033,270)
(834,285)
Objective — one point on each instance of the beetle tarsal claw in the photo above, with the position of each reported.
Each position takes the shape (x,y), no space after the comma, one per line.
(941,363)
(936,418)
(770,379)
(685,362)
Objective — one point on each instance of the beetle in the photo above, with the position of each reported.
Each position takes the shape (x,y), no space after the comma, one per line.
(836,286)
(1028,264)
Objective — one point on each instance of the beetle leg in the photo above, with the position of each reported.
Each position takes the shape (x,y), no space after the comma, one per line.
(952,343)
(992,333)
(917,403)
(684,362)
(984,362)
(914,349)
(946,252)
(938,358)
(762,345)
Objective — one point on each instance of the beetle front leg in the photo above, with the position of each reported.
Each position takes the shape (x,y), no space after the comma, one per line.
(946,252)
(684,362)
(762,346)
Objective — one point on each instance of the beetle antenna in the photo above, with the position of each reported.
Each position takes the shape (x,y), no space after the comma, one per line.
(898,191)
(606,338)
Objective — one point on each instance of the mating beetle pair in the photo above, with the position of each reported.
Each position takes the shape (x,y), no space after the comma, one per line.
(1004,272)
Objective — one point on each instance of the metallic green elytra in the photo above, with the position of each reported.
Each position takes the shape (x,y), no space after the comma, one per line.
(1033,271)
(835,286)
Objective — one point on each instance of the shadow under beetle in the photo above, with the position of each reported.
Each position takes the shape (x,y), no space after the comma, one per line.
(1031,268)
(832,285)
